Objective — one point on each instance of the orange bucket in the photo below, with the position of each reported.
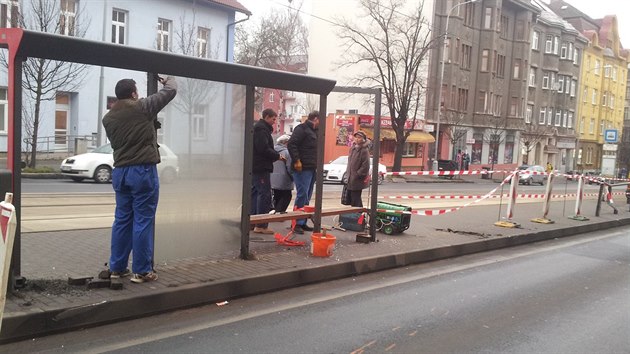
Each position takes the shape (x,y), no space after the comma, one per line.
(322,244)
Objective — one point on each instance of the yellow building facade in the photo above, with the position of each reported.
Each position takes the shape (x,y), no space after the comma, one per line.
(602,91)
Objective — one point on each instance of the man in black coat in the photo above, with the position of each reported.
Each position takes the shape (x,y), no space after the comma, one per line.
(264,157)
(303,150)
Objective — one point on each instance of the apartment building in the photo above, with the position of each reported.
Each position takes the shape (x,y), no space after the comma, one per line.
(602,90)
(485,79)
(549,130)
(194,122)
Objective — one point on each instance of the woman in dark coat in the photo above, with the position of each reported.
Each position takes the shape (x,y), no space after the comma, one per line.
(358,168)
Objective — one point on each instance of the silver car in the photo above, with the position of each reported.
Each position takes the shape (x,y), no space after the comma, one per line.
(531,174)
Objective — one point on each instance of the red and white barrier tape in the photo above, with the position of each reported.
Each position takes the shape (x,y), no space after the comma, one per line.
(542,196)
(483,172)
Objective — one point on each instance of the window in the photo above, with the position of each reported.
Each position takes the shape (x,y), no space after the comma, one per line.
(410,149)
(487,20)
(560,83)
(604,97)
(462,99)
(456,51)
(504,27)
(508,153)
(535,40)
(549,44)
(570,120)
(203,35)
(484,59)
(67,20)
(570,52)
(558,117)
(565,116)
(542,118)
(532,77)
(4,110)
(591,128)
(545,81)
(466,56)
(452,4)
(549,115)
(563,51)
(519,31)
(556,40)
(517,69)
(482,102)
(594,96)
(601,128)
(500,65)
(163,34)
(514,106)
(573,87)
(528,113)
(614,73)
(475,156)
(119,25)
(575,56)
(199,122)
(469,14)
(585,95)
(493,151)
(612,101)
(597,66)
(9,13)
(497,105)
(606,70)
(582,125)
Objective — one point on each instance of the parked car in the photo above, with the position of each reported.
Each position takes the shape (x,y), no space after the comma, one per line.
(531,174)
(335,171)
(98,165)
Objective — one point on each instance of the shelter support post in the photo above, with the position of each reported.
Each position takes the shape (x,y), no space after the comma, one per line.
(248,151)
(319,176)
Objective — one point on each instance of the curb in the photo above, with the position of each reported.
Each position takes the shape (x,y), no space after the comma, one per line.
(28,325)
(43,175)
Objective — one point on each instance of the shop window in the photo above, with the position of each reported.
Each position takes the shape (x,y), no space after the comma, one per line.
(508,154)
(475,157)
(410,150)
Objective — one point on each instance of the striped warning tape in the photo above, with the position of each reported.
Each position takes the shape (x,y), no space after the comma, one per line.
(492,196)
(482,172)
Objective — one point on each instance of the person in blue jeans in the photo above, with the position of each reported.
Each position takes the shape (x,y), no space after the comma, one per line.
(303,151)
(131,127)
(262,167)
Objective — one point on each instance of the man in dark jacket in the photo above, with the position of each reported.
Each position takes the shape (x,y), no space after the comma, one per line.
(303,151)
(358,168)
(264,157)
(131,127)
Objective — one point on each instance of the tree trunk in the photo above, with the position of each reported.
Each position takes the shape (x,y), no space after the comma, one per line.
(38,101)
(400,144)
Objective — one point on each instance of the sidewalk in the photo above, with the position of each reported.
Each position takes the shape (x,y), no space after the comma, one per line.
(49,305)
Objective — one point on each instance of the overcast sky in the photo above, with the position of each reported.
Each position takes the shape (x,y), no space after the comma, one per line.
(593,8)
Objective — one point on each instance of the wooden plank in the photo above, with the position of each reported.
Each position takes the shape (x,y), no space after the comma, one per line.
(295,215)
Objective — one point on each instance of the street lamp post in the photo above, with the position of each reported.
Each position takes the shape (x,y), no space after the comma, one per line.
(439,103)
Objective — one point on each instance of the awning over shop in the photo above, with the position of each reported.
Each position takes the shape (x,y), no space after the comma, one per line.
(420,137)
(415,136)
(388,134)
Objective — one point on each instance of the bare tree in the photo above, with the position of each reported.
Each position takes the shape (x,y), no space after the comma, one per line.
(194,95)
(494,136)
(393,43)
(43,79)
(279,41)
(531,135)
(454,121)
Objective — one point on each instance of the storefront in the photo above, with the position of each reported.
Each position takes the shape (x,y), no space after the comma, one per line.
(340,128)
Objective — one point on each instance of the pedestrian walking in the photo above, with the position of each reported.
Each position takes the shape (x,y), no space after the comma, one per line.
(131,127)
(358,169)
(303,150)
(281,178)
(264,157)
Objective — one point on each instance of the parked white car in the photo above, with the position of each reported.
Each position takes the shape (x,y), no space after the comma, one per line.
(98,165)
(335,171)
(531,174)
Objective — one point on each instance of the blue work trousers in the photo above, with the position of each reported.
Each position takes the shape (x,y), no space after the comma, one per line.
(304,182)
(261,195)
(137,190)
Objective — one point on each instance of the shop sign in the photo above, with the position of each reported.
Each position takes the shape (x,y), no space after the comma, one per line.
(609,147)
(386,122)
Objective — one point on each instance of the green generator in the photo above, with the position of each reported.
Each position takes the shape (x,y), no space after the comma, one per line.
(391,218)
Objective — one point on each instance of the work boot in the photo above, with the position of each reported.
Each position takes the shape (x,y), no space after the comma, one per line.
(297,229)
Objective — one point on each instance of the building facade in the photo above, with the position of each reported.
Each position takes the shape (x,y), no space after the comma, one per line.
(193,122)
(602,90)
(484,81)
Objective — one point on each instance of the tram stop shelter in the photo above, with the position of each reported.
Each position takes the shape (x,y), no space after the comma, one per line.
(227,215)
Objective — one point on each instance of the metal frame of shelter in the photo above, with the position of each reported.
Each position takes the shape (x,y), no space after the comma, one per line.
(22,44)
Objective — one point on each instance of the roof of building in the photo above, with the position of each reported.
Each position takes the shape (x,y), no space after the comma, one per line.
(232,4)
(548,16)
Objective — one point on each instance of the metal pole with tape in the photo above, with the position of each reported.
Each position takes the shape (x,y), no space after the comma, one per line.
(544,219)
(511,202)
(8,225)
(578,201)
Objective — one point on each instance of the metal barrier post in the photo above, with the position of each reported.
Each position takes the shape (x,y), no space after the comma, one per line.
(578,201)
(545,210)
(510,208)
